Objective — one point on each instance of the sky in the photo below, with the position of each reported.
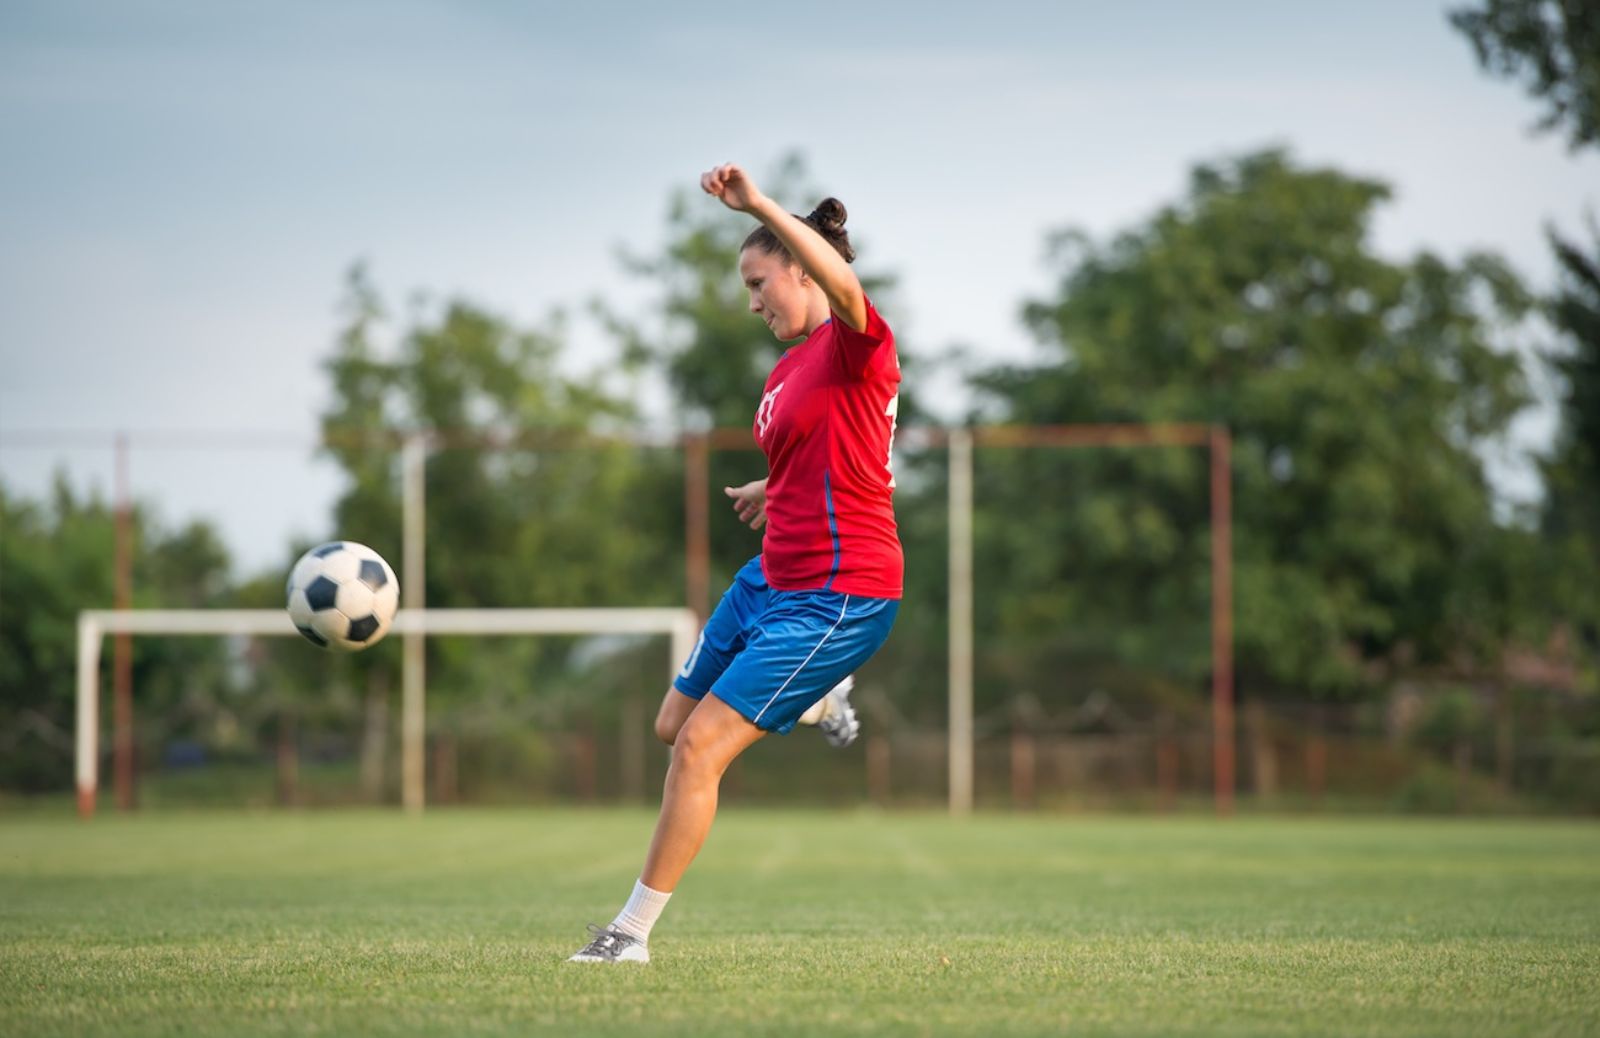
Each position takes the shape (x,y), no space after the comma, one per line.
(183,184)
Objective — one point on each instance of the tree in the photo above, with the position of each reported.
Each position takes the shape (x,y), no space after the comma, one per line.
(527,504)
(1358,392)
(58,558)
(1575,464)
(1571,517)
(1554,45)
(715,355)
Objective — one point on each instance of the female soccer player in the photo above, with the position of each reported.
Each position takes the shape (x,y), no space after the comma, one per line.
(821,597)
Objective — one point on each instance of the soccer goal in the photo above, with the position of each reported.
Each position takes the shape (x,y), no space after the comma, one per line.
(680,625)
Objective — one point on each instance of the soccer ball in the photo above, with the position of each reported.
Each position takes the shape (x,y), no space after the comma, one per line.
(342,595)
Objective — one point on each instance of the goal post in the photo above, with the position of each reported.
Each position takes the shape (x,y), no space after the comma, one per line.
(680,625)
(1217,442)
(960,443)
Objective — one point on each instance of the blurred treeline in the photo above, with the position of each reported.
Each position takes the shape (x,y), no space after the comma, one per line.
(1378,580)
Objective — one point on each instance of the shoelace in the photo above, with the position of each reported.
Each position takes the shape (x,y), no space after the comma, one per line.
(606,941)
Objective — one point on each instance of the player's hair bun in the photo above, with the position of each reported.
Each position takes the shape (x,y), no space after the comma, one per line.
(828,219)
(829,213)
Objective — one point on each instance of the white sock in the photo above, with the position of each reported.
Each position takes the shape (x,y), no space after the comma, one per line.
(641,911)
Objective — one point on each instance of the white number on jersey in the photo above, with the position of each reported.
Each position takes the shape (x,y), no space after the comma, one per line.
(892,412)
(764,413)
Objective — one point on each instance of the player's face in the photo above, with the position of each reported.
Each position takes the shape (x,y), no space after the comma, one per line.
(779,292)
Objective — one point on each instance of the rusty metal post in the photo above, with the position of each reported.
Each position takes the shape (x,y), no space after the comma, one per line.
(697,522)
(1222,724)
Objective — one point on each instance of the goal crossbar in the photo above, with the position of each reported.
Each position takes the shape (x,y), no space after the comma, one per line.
(680,625)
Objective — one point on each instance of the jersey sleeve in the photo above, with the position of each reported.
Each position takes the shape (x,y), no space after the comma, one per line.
(862,353)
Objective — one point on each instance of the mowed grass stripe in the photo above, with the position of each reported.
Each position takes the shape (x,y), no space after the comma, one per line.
(799,923)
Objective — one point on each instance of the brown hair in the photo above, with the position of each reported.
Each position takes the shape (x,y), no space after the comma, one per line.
(827,219)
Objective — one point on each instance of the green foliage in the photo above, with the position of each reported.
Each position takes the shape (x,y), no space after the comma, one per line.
(1357,391)
(1574,470)
(526,506)
(1571,519)
(716,356)
(57,558)
(1554,45)
(514,477)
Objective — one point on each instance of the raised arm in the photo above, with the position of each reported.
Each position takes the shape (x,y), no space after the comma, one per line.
(821,262)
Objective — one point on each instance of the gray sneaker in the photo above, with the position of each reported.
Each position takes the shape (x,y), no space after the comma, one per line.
(839,724)
(611,945)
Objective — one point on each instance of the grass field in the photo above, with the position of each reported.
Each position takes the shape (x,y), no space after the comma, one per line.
(799,923)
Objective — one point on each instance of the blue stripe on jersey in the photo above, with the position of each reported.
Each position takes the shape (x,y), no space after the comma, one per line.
(833,528)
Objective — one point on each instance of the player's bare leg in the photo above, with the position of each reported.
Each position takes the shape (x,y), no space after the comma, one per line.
(675,710)
(702,748)
(713,736)
(832,714)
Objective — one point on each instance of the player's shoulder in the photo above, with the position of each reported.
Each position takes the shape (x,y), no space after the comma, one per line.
(874,329)
(875,317)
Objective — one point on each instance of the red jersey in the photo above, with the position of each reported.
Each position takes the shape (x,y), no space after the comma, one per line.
(826,423)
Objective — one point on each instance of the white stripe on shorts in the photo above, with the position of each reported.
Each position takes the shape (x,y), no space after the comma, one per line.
(803,662)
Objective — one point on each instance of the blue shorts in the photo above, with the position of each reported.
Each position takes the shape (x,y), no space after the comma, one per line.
(771,654)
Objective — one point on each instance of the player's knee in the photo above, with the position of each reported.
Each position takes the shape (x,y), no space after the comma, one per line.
(692,753)
(667,728)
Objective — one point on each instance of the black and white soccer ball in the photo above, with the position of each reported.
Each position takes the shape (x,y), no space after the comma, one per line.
(342,595)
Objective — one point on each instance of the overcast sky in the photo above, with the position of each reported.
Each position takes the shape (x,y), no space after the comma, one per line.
(183,184)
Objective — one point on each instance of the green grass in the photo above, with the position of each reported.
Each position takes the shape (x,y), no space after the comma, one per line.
(799,923)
